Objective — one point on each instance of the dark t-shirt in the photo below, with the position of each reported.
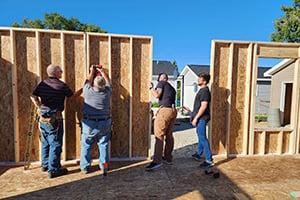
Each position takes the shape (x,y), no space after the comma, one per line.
(167,98)
(202,95)
(52,92)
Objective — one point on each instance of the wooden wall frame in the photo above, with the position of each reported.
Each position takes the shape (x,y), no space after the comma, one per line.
(233,70)
(25,55)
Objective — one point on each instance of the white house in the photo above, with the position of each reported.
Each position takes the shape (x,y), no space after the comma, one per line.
(282,76)
(189,86)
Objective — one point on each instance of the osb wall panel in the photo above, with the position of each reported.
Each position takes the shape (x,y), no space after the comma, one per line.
(271,142)
(220,91)
(238,92)
(26,68)
(74,62)
(140,96)
(6,98)
(50,51)
(98,52)
(257,143)
(120,78)
(286,142)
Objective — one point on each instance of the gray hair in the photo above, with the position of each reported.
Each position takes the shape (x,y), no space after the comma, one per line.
(99,83)
(52,69)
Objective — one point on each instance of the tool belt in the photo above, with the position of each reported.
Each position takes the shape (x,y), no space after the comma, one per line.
(52,119)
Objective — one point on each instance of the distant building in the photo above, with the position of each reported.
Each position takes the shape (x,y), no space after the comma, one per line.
(189,77)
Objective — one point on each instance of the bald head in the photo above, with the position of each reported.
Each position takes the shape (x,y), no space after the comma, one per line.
(53,70)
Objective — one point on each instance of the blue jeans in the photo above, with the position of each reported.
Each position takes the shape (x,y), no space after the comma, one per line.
(52,136)
(92,131)
(203,143)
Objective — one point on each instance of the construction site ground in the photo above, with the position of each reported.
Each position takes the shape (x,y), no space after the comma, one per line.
(244,177)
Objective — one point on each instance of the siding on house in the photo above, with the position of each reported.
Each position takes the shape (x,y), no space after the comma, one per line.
(284,75)
(191,77)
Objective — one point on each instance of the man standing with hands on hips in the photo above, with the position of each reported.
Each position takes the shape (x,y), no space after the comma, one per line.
(164,122)
(200,117)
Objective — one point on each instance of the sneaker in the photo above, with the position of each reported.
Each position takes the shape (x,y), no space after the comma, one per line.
(57,173)
(153,165)
(167,162)
(86,170)
(206,164)
(196,157)
(44,169)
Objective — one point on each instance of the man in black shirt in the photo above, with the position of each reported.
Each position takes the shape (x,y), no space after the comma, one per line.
(49,97)
(164,122)
(200,117)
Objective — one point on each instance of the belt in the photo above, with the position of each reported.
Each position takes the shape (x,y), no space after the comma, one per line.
(96,119)
(169,106)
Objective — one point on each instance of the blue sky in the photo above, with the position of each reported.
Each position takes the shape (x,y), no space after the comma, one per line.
(181,30)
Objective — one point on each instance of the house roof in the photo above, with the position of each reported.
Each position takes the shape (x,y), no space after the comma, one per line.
(205,68)
(278,67)
(159,66)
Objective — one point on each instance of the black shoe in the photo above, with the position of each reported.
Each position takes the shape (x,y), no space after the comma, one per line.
(167,162)
(57,173)
(206,164)
(86,170)
(44,169)
(153,165)
(196,157)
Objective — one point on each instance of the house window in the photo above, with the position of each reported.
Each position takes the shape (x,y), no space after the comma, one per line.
(195,87)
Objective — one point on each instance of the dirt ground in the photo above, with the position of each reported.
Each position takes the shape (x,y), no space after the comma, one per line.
(249,177)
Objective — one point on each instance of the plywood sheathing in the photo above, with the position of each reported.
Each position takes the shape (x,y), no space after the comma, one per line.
(50,50)
(120,78)
(74,62)
(140,118)
(26,68)
(26,53)
(6,98)
(238,97)
(220,95)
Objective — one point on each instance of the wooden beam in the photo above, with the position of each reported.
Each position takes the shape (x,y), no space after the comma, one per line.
(15,95)
(247,99)
(212,65)
(295,108)
(277,51)
(229,96)
(150,114)
(280,142)
(38,72)
(62,47)
(130,97)
(262,143)
(253,99)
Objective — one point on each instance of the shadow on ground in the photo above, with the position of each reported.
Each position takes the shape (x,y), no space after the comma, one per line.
(125,180)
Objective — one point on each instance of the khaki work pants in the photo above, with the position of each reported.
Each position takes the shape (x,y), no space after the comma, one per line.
(163,129)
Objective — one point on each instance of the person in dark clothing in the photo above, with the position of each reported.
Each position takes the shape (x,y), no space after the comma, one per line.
(49,97)
(200,118)
(164,122)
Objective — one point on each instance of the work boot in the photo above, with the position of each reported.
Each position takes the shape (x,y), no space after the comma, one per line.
(60,172)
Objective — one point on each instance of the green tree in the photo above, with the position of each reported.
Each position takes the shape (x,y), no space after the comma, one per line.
(288,26)
(58,22)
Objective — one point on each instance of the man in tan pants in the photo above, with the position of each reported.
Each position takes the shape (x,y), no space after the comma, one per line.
(164,122)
